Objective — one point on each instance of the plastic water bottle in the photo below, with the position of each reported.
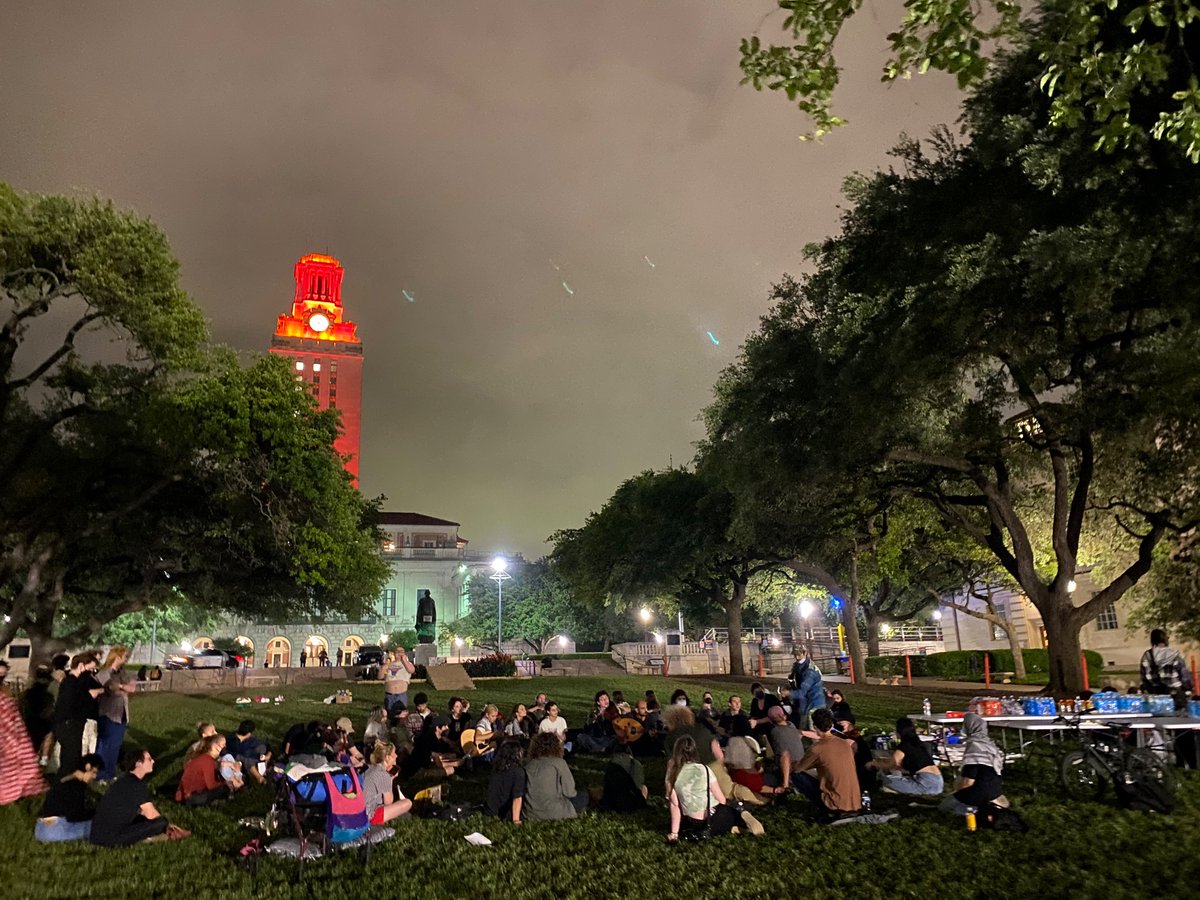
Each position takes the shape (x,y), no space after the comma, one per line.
(927,707)
(866,801)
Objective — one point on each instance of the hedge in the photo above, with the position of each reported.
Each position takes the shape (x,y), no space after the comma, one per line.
(968,664)
(491,666)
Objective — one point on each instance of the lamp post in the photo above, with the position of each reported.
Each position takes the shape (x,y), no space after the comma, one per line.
(500,575)
(806,611)
(458,645)
(647,617)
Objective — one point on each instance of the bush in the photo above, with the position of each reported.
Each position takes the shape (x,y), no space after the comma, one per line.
(968,664)
(1039,661)
(498,665)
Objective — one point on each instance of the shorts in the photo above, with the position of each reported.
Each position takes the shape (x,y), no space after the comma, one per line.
(377,816)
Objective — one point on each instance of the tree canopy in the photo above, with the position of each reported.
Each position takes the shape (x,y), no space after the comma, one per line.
(140,461)
(1006,332)
(1121,70)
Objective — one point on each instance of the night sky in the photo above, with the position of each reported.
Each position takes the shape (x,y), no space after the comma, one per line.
(476,156)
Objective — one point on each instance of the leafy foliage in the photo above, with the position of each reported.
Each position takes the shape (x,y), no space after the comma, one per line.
(1121,70)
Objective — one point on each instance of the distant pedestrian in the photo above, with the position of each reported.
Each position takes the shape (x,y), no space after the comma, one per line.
(1164,671)
(339,657)
(303,658)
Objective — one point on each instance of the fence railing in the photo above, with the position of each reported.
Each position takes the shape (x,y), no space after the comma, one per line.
(915,633)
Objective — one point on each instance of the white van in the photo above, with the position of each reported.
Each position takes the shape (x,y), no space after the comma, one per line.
(17,654)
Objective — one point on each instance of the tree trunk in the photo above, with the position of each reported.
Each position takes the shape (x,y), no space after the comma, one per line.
(1015,645)
(733,622)
(873,623)
(850,621)
(1063,648)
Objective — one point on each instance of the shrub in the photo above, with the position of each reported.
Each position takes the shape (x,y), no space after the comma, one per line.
(497,665)
(968,664)
(1039,661)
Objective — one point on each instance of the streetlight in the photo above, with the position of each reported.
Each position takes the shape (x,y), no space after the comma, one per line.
(647,617)
(500,575)
(458,645)
(806,611)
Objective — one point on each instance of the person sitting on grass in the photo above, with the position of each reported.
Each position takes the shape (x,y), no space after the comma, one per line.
(487,731)
(554,723)
(125,815)
(250,751)
(506,787)
(203,730)
(377,728)
(341,747)
(624,782)
(727,723)
(979,782)
(460,719)
(550,787)
(760,707)
(201,784)
(597,735)
(696,800)
(379,786)
(910,770)
(228,767)
(680,722)
(66,813)
(843,715)
(834,792)
(418,715)
(432,750)
(537,711)
(745,770)
(520,724)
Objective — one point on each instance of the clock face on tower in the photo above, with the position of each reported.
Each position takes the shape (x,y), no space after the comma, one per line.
(318,322)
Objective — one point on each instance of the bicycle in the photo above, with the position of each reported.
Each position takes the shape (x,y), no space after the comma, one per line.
(1104,756)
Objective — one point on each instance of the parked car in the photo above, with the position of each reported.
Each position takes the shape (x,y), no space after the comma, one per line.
(203,659)
(369,655)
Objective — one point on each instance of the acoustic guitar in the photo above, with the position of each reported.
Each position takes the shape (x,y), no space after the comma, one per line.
(477,743)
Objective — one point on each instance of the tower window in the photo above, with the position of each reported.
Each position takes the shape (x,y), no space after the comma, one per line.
(299,366)
(316,367)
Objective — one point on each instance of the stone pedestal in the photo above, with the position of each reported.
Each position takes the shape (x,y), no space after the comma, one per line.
(424,654)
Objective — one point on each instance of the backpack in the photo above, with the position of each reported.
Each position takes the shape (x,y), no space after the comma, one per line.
(998,819)
(347,818)
(1144,795)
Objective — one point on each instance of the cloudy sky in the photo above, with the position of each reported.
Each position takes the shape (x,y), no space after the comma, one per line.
(476,155)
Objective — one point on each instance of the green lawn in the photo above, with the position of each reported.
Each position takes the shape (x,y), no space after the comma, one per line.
(1078,850)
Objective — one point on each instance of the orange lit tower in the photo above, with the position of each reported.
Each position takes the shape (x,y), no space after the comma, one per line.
(324,348)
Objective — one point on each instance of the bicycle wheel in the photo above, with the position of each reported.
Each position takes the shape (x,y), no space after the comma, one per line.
(1081,777)
(1146,765)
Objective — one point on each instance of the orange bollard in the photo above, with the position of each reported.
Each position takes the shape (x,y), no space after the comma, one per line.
(853,680)
(761,671)
(666,665)
(987,670)
(1083,659)
(908,668)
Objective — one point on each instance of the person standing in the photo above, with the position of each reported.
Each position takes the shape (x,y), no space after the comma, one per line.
(396,676)
(808,689)
(78,706)
(1164,671)
(303,658)
(118,683)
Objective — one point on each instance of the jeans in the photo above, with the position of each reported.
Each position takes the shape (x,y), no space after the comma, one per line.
(108,745)
(135,832)
(61,829)
(925,784)
(395,701)
(203,798)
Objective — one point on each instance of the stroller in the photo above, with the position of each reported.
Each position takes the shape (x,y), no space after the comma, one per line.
(326,809)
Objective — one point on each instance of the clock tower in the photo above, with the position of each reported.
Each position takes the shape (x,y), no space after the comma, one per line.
(324,348)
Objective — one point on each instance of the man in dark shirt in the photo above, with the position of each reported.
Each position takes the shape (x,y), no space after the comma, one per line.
(78,701)
(726,725)
(125,814)
(248,750)
(431,750)
(760,706)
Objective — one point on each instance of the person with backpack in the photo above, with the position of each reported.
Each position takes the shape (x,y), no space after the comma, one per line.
(1164,671)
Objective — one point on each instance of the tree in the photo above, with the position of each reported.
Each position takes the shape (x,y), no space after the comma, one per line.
(663,533)
(176,468)
(1006,333)
(539,607)
(1122,69)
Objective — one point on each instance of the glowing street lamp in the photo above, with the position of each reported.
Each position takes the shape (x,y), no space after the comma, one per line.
(458,645)
(806,611)
(937,615)
(500,575)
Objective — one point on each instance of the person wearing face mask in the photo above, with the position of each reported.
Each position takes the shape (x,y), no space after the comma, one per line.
(808,689)
(760,708)
(680,698)
(707,714)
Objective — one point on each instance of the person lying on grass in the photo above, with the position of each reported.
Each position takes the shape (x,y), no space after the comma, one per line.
(550,787)
(834,792)
(697,803)
(201,784)
(66,812)
(383,801)
(910,770)
(125,816)
(506,787)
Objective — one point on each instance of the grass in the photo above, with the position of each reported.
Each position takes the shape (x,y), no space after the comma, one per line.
(1072,850)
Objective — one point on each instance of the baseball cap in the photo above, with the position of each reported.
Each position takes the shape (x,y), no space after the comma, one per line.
(345,725)
(776,714)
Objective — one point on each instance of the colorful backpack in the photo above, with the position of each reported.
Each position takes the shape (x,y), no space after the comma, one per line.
(347,819)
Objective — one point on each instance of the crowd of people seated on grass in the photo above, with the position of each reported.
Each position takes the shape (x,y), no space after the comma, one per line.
(722,761)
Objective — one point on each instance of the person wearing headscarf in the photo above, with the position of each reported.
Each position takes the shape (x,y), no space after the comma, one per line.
(980,781)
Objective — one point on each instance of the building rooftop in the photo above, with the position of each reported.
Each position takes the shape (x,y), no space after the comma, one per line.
(411,518)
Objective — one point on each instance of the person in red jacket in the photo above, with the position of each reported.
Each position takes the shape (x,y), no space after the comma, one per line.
(200,783)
